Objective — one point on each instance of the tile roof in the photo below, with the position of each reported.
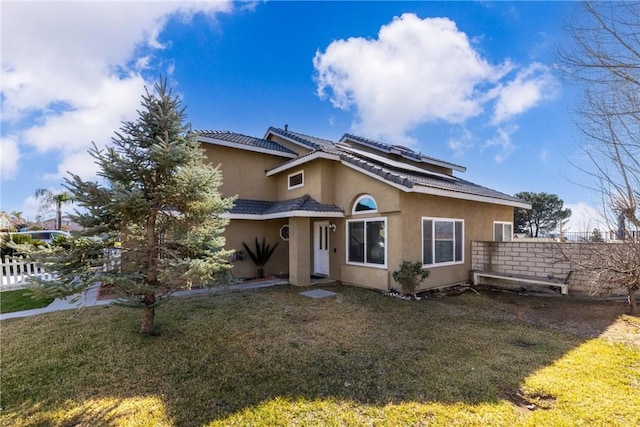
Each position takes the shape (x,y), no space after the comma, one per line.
(307,140)
(250,207)
(225,135)
(263,207)
(409,179)
(406,178)
(388,172)
(404,151)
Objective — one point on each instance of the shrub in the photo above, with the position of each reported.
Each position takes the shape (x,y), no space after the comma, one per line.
(8,241)
(261,256)
(410,275)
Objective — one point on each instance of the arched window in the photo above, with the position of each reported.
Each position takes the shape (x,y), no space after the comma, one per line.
(364,204)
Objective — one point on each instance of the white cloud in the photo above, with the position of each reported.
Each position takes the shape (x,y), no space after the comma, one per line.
(423,70)
(584,218)
(9,156)
(80,163)
(76,67)
(528,89)
(417,70)
(502,140)
(460,140)
(95,119)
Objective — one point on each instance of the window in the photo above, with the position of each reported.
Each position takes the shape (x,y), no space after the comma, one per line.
(442,241)
(365,204)
(296,180)
(366,242)
(284,232)
(502,231)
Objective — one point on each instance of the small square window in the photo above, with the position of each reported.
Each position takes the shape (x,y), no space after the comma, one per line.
(296,180)
(502,231)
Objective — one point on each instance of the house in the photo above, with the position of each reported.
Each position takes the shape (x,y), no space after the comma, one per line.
(67,224)
(6,222)
(352,210)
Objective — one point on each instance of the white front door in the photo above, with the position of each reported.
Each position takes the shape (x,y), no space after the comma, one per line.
(321,248)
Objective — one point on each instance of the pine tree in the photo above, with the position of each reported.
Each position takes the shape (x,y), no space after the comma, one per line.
(160,198)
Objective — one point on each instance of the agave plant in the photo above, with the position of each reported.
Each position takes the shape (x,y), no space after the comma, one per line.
(261,255)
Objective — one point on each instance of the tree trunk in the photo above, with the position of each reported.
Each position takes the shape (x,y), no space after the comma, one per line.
(633,304)
(148,315)
(59,215)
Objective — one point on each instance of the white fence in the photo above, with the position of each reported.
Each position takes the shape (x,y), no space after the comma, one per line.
(16,270)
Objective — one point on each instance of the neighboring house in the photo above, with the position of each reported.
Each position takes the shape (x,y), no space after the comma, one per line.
(352,210)
(6,222)
(67,224)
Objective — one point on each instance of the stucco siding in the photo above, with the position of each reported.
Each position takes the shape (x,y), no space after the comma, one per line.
(318,182)
(239,231)
(478,225)
(350,184)
(243,172)
(366,277)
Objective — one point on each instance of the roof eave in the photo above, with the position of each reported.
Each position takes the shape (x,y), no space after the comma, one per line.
(223,143)
(302,160)
(469,196)
(423,189)
(287,214)
(270,131)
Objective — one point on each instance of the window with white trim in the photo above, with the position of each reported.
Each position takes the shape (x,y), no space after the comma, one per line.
(442,241)
(295,180)
(284,232)
(364,204)
(367,242)
(502,231)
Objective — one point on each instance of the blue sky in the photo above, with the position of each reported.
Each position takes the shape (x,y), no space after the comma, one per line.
(474,83)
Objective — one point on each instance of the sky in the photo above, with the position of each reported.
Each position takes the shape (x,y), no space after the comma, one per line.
(472,83)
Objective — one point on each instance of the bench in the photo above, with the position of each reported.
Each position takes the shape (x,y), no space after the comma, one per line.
(550,281)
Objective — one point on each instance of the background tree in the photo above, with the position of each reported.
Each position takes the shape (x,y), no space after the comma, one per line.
(48,197)
(18,220)
(596,236)
(546,213)
(161,198)
(604,62)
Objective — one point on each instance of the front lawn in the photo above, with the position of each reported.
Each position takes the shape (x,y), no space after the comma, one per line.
(273,357)
(21,299)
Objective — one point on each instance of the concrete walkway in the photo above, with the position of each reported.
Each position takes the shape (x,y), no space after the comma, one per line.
(90,298)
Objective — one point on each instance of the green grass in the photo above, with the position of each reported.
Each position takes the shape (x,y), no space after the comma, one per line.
(273,357)
(21,299)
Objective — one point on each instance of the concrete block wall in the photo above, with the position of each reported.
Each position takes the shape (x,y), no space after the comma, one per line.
(538,259)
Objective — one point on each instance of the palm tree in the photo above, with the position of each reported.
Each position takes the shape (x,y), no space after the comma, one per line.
(48,197)
(18,220)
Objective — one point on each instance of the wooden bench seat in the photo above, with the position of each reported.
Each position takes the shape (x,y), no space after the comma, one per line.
(546,281)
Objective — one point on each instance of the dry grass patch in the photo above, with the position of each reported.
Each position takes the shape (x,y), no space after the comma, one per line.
(273,357)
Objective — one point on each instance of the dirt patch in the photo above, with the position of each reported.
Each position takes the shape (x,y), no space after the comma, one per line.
(579,316)
(525,403)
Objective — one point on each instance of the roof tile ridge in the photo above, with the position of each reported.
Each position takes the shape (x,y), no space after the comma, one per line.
(215,131)
(294,136)
(301,201)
